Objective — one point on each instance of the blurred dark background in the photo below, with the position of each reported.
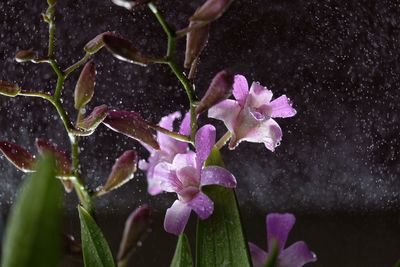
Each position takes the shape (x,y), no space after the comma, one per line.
(338,166)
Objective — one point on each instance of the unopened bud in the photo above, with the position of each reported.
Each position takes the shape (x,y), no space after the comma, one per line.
(136,228)
(18,156)
(124,49)
(63,163)
(132,125)
(91,122)
(25,56)
(196,40)
(211,10)
(130,4)
(84,88)
(95,44)
(220,89)
(9,89)
(122,171)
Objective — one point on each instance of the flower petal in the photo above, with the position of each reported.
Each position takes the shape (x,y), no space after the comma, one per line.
(185,125)
(282,107)
(226,111)
(176,217)
(205,140)
(165,176)
(240,89)
(215,175)
(267,132)
(278,228)
(183,160)
(258,95)
(167,122)
(258,256)
(169,145)
(202,205)
(296,255)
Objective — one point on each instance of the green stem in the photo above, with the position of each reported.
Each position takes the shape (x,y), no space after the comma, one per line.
(174,135)
(76,65)
(222,141)
(170,60)
(52,29)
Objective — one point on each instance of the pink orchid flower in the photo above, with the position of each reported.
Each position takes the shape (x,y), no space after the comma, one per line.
(278,228)
(185,176)
(249,117)
(169,147)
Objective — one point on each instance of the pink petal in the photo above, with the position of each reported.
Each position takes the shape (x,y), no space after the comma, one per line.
(167,122)
(169,145)
(205,140)
(176,217)
(296,255)
(258,256)
(278,228)
(165,176)
(183,160)
(202,205)
(226,111)
(215,175)
(267,132)
(185,125)
(240,89)
(282,107)
(258,96)
(188,176)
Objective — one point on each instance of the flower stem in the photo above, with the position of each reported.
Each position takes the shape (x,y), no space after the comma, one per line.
(76,65)
(170,60)
(52,29)
(174,135)
(222,141)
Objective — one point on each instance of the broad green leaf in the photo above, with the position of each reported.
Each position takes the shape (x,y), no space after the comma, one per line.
(182,256)
(220,239)
(96,251)
(33,235)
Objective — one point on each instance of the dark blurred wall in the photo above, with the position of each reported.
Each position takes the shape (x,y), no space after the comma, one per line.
(338,165)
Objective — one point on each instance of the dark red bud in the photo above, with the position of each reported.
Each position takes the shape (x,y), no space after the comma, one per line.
(219,89)
(95,44)
(136,227)
(25,56)
(124,49)
(63,163)
(132,125)
(18,156)
(84,88)
(9,89)
(211,10)
(91,122)
(196,40)
(122,171)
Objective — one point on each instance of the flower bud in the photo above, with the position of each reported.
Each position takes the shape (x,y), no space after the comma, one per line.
(124,49)
(220,89)
(18,156)
(196,40)
(122,171)
(132,125)
(136,227)
(130,4)
(211,10)
(95,44)
(9,89)
(25,56)
(84,88)
(91,122)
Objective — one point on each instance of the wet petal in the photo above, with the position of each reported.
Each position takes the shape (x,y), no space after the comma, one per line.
(202,205)
(258,96)
(258,256)
(167,122)
(240,89)
(167,144)
(282,107)
(165,175)
(205,140)
(176,217)
(278,228)
(185,125)
(188,176)
(183,160)
(215,175)
(296,255)
(226,111)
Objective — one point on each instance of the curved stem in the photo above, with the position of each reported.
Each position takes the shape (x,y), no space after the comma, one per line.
(170,60)
(174,135)
(76,65)
(222,141)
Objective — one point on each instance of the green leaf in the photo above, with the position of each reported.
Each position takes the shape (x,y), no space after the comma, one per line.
(397,264)
(96,251)
(220,239)
(182,256)
(33,235)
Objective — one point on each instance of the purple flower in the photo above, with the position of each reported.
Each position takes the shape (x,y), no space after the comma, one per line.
(169,147)
(185,176)
(278,228)
(249,117)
